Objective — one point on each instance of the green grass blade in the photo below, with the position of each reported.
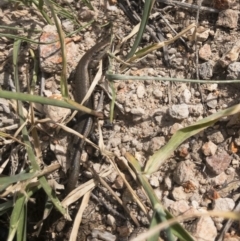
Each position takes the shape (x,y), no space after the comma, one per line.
(112,77)
(153,223)
(161,214)
(112,101)
(64,87)
(31,155)
(6,181)
(159,157)
(17,212)
(146,12)
(5,206)
(22,225)
(65,103)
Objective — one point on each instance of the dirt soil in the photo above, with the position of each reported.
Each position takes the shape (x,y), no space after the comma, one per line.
(202,174)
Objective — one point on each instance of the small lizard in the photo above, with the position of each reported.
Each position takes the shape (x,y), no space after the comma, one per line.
(85,121)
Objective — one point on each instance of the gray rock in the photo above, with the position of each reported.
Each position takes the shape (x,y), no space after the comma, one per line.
(168,183)
(219,179)
(219,162)
(158,193)
(175,127)
(103,235)
(127,138)
(184,172)
(138,111)
(230,56)
(233,71)
(154,181)
(224,204)
(206,70)
(186,96)
(157,93)
(179,111)
(196,110)
(205,52)
(167,202)
(67,25)
(156,143)
(115,141)
(237,141)
(215,136)
(195,197)
(181,207)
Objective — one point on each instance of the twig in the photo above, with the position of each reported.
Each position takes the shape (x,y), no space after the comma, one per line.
(195,38)
(172,29)
(190,6)
(110,209)
(196,53)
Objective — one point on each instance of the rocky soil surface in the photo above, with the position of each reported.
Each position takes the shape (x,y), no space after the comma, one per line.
(202,174)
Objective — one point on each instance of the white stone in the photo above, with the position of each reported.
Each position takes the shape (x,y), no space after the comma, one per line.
(223,204)
(212,101)
(179,194)
(186,96)
(111,220)
(204,229)
(140,91)
(154,181)
(138,111)
(168,183)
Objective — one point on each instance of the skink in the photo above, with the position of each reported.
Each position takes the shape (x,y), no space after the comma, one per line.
(85,121)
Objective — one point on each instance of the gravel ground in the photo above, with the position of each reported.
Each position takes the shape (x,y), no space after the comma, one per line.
(202,174)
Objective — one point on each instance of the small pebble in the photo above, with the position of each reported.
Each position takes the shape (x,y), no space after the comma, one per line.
(233,71)
(138,111)
(179,111)
(140,91)
(212,100)
(219,162)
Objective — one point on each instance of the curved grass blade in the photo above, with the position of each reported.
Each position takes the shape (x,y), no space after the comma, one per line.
(146,12)
(112,77)
(65,103)
(6,181)
(159,157)
(17,213)
(160,214)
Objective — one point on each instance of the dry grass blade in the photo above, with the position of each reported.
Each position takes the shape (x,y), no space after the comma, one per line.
(23,179)
(95,81)
(135,197)
(151,48)
(81,190)
(78,219)
(5,135)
